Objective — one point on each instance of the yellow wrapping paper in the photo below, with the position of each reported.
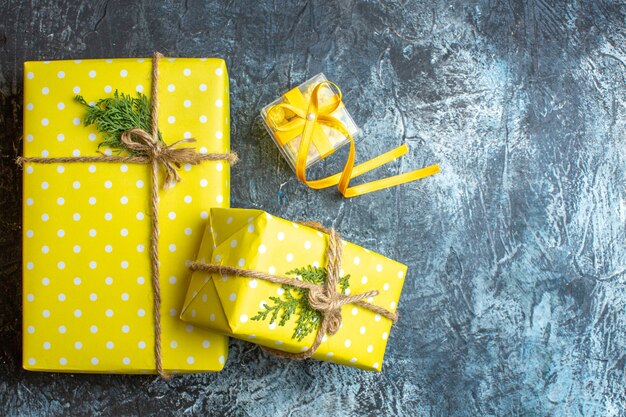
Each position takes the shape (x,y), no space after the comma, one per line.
(87,294)
(255,240)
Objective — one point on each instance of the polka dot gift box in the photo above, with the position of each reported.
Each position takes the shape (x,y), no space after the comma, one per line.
(88,295)
(243,307)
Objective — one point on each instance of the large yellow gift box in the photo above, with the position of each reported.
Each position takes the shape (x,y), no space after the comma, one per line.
(257,241)
(87,294)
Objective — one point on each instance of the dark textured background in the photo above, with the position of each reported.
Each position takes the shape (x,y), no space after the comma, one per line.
(515,303)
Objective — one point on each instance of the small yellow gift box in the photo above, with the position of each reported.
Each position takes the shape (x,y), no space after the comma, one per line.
(309,122)
(282,124)
(88,299)
(254,309)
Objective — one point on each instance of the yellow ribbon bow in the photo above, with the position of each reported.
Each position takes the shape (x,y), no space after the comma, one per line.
(313,117)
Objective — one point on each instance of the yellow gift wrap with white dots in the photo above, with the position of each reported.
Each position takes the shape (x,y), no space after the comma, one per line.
(256,240)
(88,303)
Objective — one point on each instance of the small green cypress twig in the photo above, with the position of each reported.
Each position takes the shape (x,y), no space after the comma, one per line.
(308,319)
(114,115)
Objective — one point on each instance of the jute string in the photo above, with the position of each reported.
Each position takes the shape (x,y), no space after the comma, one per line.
(321,297)
(156,154)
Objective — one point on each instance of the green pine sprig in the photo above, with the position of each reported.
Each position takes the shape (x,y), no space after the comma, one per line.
(114,115)
(296,303)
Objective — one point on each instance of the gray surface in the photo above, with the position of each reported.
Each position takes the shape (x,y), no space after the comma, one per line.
(515,300)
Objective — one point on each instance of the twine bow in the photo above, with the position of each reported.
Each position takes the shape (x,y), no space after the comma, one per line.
(321,297)
(310,118)
(149,150)
(169,157)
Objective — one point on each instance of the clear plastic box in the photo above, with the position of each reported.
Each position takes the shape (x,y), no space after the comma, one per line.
(326,140)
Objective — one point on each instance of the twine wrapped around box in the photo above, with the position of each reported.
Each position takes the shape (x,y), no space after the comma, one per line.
(149,150)
(323,298)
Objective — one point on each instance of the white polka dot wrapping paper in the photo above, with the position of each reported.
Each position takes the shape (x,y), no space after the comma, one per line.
(255,240)
(87,297)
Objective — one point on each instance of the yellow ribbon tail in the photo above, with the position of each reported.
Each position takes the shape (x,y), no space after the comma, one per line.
(380,160)
(380,184)
(360,169)
(367,166)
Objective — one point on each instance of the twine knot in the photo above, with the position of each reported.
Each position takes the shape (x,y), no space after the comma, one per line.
(169,157)
(329,305)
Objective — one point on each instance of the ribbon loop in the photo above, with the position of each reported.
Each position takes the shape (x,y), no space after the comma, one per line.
(327,107)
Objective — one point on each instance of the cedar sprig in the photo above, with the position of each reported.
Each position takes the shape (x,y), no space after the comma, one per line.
(297,303)
(114,115)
